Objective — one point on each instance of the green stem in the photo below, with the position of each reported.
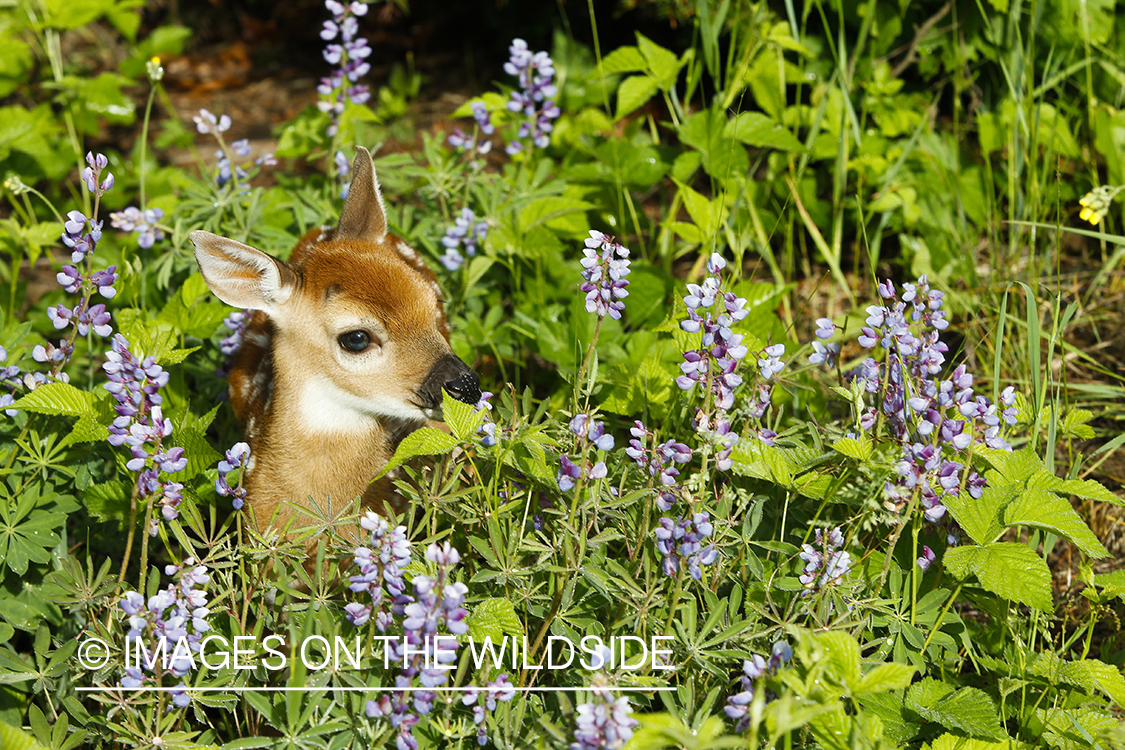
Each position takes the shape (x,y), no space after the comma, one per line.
(144,140)
(941,616)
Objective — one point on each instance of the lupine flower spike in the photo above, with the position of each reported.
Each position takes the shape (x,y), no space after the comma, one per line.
(738,705)
(347,51)
(534,98)
(605,264)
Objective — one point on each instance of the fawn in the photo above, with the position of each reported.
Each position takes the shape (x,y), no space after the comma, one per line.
(346,353)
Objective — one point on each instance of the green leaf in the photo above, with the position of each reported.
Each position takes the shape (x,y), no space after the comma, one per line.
(633,92)
(494,618)
(891,676)
(1045,510)
(860,450)
(108,501)
(1073,728)
(57,399)
(462,418)
(1085,488)
(968,710)
(980,516)
(190,433)
(1089,674)
(624,60)
(954,742)
(425,441)
(493,102)
(1008,569)
(661,63)
(756,129)
(701,210)
(841,652)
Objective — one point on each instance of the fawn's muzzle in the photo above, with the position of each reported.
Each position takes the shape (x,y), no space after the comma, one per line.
(453,375)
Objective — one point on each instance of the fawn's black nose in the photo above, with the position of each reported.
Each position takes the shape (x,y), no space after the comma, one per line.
(456,377)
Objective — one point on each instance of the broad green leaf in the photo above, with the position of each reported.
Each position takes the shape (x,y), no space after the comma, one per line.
(858,449)
(494,618)
(493,102)
(700,209)
(16,739)
(980,516)
(56,399)
(661,63)
(1009,569)
(425,441)
(108,501)
(624,60)
(890,676)
(968,710)
(954,742)
(190,433)
(1084,488)
(756,129)
(1045,510)
(1075,728)
(1089,674)
(841,651)
(633,92)
(462,418)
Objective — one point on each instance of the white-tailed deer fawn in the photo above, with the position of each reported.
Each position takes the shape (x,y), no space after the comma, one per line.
(347,353)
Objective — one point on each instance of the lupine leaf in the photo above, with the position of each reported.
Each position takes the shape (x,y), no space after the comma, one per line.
(968,710)
(1045,510)
(1011,570)
(425,441)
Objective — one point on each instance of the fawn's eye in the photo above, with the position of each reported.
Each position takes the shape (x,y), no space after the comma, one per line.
(354,341)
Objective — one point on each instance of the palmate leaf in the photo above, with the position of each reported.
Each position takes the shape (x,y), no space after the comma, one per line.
(26,534)
(967,710)
(1011,570)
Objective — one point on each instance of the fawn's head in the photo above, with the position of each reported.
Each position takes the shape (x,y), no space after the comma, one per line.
(357,325)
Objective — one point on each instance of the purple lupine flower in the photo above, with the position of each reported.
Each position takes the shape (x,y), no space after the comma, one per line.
(381,566)
(207,122)
(569,474)
(926,559)
(484,700)
(753,669)
(534,97)
(681,542)
(236,458)
(174,613)
(465,235)
(435,604)
(660,460)
(605,264)
(825,354)
(603,722)
(826,562)
(349,56)
(141,426)
(144,223)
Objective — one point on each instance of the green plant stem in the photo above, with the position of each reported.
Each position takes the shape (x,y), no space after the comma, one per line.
(941,617)
(894,539)
(144,141)
(129,537)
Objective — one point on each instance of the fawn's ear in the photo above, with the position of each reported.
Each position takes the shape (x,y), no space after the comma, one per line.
(363,218)
(242,276)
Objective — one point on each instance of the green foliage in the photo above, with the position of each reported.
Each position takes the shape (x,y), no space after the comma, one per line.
(818,141)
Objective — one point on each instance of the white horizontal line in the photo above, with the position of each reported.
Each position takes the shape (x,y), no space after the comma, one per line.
(325,689)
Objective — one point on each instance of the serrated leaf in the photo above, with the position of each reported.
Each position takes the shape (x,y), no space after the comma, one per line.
(425,441)
(980,516)
(661,63)
(860,450)
(1045,510)
(623,60)
(1089,674)
(494,618)
(1073,729)
(57,399)
(633,92)
(108,501)
(841,651)
(462,418)
(884,677)
(756,129)
(954,742)
(1008,569)
(968,710)
(1084,488)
